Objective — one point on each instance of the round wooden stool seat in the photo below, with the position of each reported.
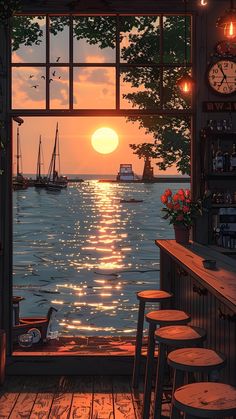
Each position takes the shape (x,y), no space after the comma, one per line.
(180,335)
(168,317)
(206,400)
(153,296)
(196,359)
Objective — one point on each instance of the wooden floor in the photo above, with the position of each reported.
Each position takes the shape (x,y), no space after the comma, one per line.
(70,397)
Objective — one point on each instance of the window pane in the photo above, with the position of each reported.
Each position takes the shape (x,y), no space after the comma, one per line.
(59,39)
(172,97)
(94,88)
(94,39)
(28,88)
(174,39)
(28,39)
(140,39)
(140,88)
(59,87)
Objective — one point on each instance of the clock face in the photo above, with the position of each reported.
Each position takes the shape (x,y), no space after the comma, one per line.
(222,77)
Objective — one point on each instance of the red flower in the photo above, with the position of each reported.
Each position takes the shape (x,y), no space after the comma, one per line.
(185,209)
(164,199)
(170,205)
(187,193)
(180,217)
(177,206)
(168,192)
(181,192)
(176,197)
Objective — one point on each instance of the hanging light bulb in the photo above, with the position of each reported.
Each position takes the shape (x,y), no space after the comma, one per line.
(186,82)
(228,22)
(203,3)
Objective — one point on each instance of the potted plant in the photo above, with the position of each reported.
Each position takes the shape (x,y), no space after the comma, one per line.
(181,211)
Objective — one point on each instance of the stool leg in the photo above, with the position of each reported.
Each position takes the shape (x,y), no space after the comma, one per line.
(177,382)
(138,346)
(161,363)
(149,371)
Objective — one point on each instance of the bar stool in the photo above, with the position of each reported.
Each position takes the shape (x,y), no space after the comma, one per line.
(177,337)
(192,360)
(206,400)
(147,296)
(158,318)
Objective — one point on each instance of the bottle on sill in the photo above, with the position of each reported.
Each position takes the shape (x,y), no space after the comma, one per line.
(213,158)
(219,159)
(226,161)
(233,159)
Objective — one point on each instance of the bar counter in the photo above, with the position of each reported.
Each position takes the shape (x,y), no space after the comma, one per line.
(208,295)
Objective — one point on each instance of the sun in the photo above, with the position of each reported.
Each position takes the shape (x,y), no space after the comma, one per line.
(105,140)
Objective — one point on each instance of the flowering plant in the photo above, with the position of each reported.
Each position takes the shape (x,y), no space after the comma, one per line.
(180,209)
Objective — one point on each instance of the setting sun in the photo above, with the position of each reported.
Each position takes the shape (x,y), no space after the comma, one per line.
(105,140)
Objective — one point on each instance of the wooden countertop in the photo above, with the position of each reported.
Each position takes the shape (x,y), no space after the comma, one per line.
(221,281)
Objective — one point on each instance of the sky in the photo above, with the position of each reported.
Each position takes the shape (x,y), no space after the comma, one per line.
(94,87)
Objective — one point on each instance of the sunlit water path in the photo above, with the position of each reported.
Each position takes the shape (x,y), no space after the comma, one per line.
(87,254)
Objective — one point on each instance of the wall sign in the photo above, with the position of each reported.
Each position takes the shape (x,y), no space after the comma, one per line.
(219,106)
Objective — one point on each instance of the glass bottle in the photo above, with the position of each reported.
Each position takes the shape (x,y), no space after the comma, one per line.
(226,161)
(219,159)
(213,158)
(233,159)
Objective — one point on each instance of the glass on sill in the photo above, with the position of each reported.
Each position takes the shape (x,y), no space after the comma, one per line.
(25,340)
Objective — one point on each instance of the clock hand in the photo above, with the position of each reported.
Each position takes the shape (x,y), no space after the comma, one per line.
(219,66)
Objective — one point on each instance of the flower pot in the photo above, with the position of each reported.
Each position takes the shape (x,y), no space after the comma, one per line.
(181,234)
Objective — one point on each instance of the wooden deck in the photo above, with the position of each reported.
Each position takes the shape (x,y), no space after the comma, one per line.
(67,397)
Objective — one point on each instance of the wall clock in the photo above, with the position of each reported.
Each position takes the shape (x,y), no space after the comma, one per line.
(221,77)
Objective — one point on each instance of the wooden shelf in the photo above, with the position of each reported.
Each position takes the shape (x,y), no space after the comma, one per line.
(224,175)
(223,206)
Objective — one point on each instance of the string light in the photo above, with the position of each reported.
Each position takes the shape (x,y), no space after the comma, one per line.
(228,22)
(186,82)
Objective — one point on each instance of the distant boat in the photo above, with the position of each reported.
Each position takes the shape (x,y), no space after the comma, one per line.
(55,181)
(125,173)
(130,201)
(40,181)
(19,181)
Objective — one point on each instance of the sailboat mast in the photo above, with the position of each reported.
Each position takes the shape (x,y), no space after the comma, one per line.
(55,153)
(18,152)
(39,160)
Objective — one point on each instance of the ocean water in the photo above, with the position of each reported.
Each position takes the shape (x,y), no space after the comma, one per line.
(86,253)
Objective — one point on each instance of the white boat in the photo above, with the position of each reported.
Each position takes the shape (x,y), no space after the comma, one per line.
(125,173)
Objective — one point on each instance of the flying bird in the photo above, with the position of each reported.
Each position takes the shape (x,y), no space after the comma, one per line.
(54,73)
(50,80)
(31,76)
(58,58)
(43,77)
(35,86)
(59,77)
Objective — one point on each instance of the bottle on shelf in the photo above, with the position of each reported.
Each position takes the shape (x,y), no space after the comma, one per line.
(213,158)
(219,159)
(226,161)
(233,159)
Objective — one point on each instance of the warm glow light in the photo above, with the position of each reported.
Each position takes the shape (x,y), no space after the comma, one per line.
(105,140)
(203,3)
(230,30)
(185,84)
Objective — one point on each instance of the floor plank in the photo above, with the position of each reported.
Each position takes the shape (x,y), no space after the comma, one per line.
(25,400)
(82,399)
(62,400)
(44,398)
(103,398)
(123,402)
(9,394)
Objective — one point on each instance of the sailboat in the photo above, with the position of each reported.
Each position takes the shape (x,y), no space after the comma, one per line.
(40,181)
(19,181)
(55,181)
